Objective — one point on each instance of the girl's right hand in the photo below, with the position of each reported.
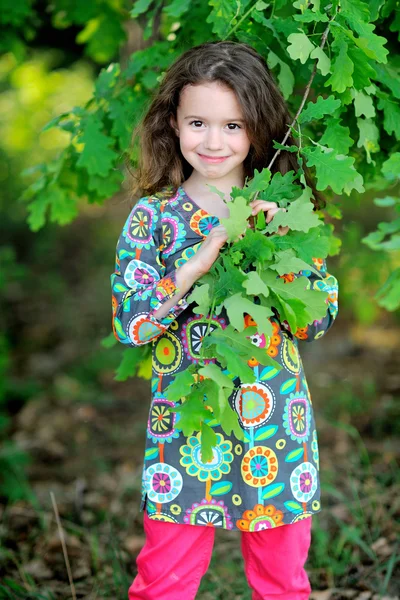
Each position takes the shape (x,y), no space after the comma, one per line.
(208,252)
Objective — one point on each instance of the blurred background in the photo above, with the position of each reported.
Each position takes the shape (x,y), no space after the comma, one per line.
(72,431)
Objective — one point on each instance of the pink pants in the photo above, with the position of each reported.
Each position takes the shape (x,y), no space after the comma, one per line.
(175,557)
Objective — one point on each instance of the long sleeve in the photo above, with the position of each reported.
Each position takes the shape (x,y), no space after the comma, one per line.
(329,284)
(140,284)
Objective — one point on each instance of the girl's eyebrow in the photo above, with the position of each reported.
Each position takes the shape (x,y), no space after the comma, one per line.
(203,119)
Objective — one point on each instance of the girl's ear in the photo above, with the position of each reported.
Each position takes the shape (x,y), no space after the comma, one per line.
(174,125)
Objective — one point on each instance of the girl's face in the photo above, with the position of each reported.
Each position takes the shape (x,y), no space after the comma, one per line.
(212,131)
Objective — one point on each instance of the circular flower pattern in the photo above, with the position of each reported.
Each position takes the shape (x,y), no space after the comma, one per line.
(303,481)
(193,332)
(260,517)
(216,468)
(138,230)
(254,404)
(259,466)
(167,353)
(164,483)
(297,417)
(161,422)
(202,223)
(210,513)
(138,273)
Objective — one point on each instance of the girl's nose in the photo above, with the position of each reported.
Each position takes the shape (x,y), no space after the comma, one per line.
(214,140)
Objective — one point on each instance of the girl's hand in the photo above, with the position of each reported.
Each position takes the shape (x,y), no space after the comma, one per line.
(208,252)
(270,208)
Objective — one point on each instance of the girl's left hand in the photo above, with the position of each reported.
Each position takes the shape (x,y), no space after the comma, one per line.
(270,208)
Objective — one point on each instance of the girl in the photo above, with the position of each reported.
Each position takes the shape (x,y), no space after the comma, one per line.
(213,122)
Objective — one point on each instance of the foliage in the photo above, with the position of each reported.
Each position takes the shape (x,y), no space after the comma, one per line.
(333,50)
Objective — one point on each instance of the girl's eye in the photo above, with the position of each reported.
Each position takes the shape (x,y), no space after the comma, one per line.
(235,125)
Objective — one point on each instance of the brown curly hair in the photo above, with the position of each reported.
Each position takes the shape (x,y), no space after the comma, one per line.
(266,115)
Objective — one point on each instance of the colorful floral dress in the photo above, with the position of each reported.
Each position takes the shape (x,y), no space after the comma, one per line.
(270,479)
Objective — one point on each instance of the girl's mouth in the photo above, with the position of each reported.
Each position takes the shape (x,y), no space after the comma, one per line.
(213,159)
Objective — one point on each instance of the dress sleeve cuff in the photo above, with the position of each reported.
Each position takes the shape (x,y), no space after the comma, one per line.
(165,288)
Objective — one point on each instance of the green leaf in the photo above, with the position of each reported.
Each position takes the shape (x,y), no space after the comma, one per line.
(212,371)
(314,243)
(342,68)
(369,137)
(236,223)
(316,110)
(288,262)
(201,297)
(388,296)
(391,111)
(363,105)
(334,170)
(259,182)
(181,385)
(131,357)
(237,306)
(391,167)
(300,47)
(336,136)
(300,215)
(324,63)
(281,188)
(208,440)
(96,157)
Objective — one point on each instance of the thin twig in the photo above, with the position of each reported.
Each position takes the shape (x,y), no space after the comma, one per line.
(305,96)
(64,546)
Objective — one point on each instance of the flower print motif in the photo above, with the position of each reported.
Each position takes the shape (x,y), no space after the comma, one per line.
(141,294)
(275,340)
(297,417)
(167,353)
(287,277)
(142,328)
(202,223)
(210,513)
(174,233)
(259,466)
(290,356)
(216,468)
(260,518)
(163,482)
(318,263)
(330,285)
(187,254)
(138,228)
(193,332)
(254,404)
(161,421)
(314,448)
(139,273)
(301,333)
(303,482)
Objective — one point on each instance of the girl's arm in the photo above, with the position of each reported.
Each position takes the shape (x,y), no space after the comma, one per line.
(145,299)
(329,284)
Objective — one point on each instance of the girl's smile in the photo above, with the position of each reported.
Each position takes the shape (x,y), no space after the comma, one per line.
(213,159)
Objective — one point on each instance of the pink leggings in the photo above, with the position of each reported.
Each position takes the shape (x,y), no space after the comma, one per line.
(175,557)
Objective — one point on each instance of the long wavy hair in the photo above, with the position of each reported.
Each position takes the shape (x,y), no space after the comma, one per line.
(266,116)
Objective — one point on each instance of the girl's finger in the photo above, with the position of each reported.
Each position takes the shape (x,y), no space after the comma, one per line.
(262,205)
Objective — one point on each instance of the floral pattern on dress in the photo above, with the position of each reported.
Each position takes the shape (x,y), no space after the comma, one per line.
(269,479)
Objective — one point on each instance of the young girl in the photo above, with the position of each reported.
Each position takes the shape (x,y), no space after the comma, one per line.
(213,122)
